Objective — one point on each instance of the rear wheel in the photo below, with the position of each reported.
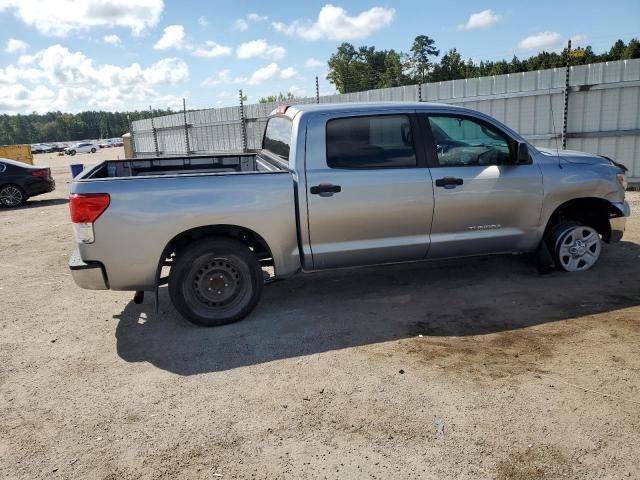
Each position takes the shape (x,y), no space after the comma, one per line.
(575,247)
(12,196)
(215,281)
(93,150)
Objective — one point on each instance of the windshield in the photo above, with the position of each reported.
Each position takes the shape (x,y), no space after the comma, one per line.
(277,137)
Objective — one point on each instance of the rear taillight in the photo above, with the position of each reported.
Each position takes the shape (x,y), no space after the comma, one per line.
(85,209)
(45,172)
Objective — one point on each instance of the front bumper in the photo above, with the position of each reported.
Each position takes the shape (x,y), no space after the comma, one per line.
(618,224)
(87,275)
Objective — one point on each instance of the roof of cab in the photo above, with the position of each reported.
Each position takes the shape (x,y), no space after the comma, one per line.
(363,106)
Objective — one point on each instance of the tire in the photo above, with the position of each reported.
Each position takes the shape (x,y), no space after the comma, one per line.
(12,196)
(575,247)
(72,152)
(215,281)
(93,150)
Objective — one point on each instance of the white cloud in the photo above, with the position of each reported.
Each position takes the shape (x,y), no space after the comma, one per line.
(223,76)
(260,48)
(264,73)
(255,17)
(548,40)
(202,21)
(71,81)
(211,49)
(313,63)
(483,19)
(62,17)
(112,39)
(240,24)
(296,91)
(334,23)
(288,73)
(16,46)
(173,36)
(578,40)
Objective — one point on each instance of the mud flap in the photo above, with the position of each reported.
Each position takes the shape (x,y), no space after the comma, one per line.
(544,259)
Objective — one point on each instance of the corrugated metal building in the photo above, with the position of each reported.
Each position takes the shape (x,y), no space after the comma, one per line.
(603,115)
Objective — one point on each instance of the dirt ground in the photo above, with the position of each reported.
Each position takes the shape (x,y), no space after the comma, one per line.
(467,369)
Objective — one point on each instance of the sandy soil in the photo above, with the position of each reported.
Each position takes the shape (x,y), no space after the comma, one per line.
(346,374)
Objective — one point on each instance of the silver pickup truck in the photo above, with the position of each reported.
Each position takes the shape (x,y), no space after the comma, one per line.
(338,186)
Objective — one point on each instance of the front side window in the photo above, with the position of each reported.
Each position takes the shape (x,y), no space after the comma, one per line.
(462,141)
(3,167)
(277,137)
(383,141)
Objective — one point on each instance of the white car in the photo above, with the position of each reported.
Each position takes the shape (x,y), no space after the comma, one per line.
(81,147)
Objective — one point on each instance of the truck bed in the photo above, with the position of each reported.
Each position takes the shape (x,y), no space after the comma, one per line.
(201,164)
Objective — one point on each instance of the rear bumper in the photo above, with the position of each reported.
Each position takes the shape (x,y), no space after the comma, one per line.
(87,275)
(618,224)
(39,187)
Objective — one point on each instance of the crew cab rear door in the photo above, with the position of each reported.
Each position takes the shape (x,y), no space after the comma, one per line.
(369,191)
(484,201)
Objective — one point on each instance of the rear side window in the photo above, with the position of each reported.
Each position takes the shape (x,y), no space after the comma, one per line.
(3,167)
(370,142)
(277,137)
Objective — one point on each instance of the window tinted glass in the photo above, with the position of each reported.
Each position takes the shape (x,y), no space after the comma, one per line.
(370,142)
(463,141)
(277,137)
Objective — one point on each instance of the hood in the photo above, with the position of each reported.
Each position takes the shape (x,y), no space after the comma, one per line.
(573,156)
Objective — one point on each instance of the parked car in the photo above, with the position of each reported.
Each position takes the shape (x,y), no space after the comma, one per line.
(339,186)
(41,148)
(20,181)
(81,147)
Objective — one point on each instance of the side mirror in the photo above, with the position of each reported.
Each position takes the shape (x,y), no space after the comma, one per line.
(522,155)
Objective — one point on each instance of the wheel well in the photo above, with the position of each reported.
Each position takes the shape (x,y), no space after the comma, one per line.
(251,239)
(594,212)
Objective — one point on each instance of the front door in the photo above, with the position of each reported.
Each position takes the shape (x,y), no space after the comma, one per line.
(484,202)
(369,193)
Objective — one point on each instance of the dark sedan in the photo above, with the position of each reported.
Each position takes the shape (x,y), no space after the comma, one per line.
(19,181)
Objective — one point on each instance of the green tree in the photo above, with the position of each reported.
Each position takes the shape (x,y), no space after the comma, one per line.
(419,61)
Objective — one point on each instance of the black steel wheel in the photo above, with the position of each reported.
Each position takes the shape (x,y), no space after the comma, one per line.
(12,196)
(215,281)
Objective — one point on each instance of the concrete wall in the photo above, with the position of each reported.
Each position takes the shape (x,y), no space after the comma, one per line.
(603,117)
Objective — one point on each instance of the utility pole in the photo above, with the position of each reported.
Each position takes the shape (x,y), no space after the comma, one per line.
(565,114)
(243,127)
(133,139)
(155,133)
(186,127)
(317,91)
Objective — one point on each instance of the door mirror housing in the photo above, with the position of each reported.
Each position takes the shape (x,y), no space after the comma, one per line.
(523,157)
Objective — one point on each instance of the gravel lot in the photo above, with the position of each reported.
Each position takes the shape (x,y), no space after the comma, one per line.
(336,375)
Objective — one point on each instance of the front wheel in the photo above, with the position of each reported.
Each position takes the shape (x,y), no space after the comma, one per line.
(215,281)
(72,152)
(576,247)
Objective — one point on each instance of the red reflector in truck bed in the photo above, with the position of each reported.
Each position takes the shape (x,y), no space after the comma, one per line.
(87,207)
(282,109)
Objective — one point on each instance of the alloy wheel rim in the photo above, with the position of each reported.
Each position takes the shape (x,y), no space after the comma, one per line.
(579,249)
(10,196)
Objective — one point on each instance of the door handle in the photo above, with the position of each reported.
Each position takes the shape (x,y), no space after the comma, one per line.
(449,182)
(325,189)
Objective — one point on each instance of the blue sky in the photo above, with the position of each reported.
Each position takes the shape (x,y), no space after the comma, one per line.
(124,54)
